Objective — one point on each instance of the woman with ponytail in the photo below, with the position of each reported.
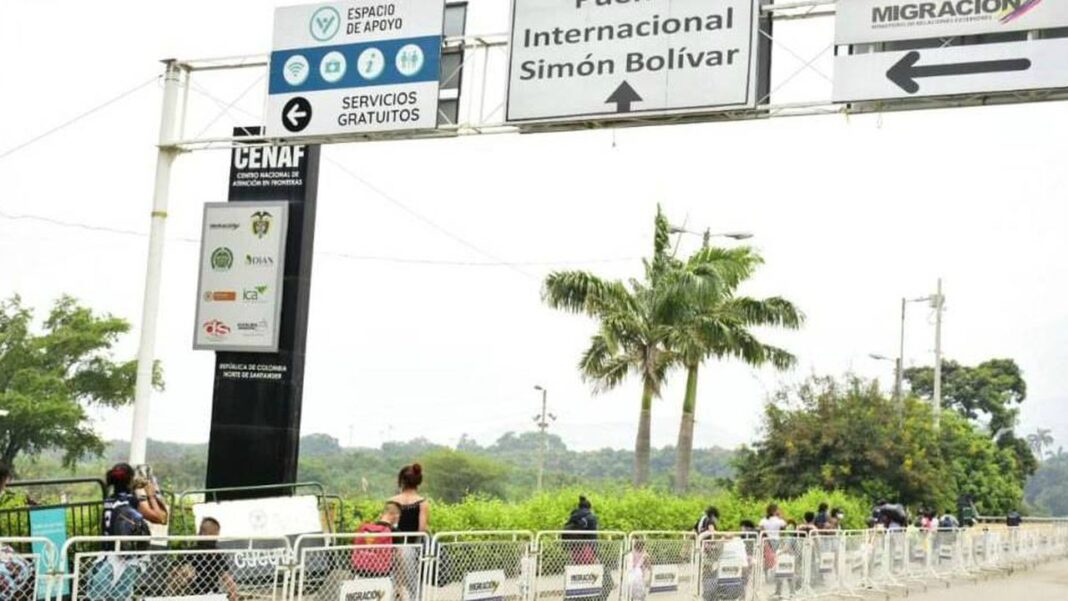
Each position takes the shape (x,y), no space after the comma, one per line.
(414,518)
(132,504)
(139,494)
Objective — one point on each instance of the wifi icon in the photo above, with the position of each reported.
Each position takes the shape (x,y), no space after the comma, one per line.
(295,70)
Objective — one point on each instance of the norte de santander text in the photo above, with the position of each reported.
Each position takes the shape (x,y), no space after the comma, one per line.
(674,58)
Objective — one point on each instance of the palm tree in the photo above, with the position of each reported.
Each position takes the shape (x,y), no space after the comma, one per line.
(1041,439)
(717,325)
(635,322)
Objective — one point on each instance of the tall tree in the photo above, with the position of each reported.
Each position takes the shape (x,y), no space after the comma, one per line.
(1040,441)
(717,324)
(991,391)
(48,380)
(988,394)
(842,435)
(635,321)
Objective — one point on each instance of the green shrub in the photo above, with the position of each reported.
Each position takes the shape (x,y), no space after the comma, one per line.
(625,510)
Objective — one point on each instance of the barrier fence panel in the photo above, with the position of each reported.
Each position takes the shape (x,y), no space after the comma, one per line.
(361,567)
(785,562)
(828,563)
(27,567)
(659,566)
(579,565)
(729,565)
(947,554)
(887,557)
(481,566)
(855,562)
(213,569)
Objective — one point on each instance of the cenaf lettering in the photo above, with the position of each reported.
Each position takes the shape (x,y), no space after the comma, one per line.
(940,10)
(268,157)
(365,596)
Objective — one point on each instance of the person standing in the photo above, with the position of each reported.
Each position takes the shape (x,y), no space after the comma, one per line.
(414,519)
(822,517)
(126,514)
(773,524)
(708,523)
(582,519)
(16,573)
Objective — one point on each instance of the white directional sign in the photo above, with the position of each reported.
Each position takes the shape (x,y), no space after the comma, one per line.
(972,69)
(602,59)
(869,21)
(242,264)
(357,66)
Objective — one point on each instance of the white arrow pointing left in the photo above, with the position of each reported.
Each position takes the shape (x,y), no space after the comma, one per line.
(295,114)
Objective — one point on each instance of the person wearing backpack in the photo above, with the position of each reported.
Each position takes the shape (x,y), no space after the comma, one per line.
(373,555)
(115,575)
(706,526)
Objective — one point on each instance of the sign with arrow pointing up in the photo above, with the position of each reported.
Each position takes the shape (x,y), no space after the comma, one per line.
(594,60)
(954,70)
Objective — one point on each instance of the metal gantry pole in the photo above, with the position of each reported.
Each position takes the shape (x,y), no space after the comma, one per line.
(146,354)
(939,305)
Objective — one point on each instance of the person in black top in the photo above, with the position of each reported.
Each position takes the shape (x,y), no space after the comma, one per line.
(206,573)
(582,519)
(414,518)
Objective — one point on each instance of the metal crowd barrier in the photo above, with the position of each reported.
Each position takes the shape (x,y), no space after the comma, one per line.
(520,565)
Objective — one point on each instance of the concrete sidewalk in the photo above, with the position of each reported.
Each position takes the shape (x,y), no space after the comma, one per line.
(1047,582)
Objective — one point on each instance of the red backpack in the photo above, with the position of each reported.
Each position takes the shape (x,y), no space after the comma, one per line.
(373,555)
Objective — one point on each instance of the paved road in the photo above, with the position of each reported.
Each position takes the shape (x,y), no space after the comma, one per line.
(1048,582)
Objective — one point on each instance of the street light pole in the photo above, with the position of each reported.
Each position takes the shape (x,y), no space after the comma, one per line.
(938,302)
(543,425)
(899,384)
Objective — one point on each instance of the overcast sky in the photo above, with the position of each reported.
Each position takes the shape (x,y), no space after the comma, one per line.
(412,334)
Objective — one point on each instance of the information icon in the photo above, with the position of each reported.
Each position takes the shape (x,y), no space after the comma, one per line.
(371,63)
(410,60)
(333,67)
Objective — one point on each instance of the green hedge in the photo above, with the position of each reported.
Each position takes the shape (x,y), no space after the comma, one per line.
(626,510)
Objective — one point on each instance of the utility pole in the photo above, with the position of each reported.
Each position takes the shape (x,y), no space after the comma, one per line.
(146,353)
(938,302)
(899,375)
(543,425)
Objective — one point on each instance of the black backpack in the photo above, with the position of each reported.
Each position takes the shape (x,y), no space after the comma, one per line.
(121,519)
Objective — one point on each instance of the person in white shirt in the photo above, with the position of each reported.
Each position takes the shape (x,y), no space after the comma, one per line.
(773,524)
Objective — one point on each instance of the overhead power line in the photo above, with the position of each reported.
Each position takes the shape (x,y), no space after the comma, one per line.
(340,255)
(77,118)
(228,107)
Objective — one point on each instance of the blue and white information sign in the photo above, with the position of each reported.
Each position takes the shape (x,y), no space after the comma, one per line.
(353,67)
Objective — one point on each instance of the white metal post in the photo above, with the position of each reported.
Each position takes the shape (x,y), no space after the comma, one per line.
(899,375)
(939,302)
(543,425)
(146,354)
